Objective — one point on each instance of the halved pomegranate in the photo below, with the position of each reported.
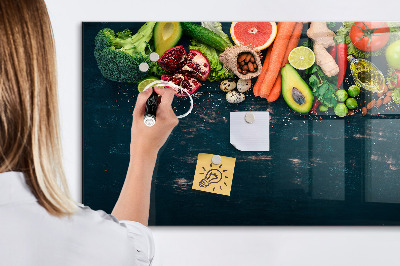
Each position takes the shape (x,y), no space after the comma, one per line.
(173,59)
(185,81)
(196,65)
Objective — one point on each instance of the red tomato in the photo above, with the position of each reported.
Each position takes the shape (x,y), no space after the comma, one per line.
(369,36)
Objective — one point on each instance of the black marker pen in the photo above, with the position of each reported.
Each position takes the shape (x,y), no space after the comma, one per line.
(151,109)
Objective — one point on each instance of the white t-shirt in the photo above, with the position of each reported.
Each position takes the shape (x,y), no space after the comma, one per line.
(29,235)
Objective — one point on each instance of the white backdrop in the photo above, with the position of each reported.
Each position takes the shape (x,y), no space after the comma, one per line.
(195,246)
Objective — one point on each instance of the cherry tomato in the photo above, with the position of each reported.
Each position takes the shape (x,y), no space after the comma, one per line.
(369,36)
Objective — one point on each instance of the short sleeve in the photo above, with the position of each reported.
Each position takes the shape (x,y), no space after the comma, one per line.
(143,241)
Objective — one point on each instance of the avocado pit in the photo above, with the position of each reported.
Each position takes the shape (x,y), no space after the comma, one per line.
(298,97)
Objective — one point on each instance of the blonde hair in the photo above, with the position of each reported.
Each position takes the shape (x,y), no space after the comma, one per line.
(29,122)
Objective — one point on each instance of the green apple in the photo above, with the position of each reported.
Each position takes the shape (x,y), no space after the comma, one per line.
(393,55)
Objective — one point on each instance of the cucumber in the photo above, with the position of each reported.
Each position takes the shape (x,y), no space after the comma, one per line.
(204,35)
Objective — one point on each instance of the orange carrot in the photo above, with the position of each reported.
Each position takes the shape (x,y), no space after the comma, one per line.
(264,70)
(293,42)
(256,88)
(276,90)
(278,52)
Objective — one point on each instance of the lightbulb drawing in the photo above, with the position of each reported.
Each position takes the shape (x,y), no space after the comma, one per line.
(212,176)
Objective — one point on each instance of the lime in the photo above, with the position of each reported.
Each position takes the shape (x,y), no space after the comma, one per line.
(351,103)
(353,91)
(341,95)
(146,82)
(341,110)
(301,57)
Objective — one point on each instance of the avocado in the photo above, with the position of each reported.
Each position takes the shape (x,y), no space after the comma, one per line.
(295,91)
(166,36)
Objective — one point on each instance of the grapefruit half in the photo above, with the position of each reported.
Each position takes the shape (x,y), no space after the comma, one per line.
(258,34)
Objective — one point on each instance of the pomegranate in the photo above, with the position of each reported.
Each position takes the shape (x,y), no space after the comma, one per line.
(185,81)
(185,69)
(196,65)
(173,59)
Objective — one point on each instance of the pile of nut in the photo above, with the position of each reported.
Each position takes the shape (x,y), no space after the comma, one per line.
(383,97)
(246,63)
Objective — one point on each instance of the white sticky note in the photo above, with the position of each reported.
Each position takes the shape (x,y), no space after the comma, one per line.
(246,136)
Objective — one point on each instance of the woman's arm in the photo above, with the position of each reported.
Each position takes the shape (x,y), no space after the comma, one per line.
(134,201)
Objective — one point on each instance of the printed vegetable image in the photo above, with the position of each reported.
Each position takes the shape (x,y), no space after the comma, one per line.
(322,61)
(293,42)
(285,31)
(323,87)
(333,51)
(184,69)
(217,70)
(277,87)
(323,39)
(301,58)
(341,110)
(216,27)
(204,35)
(264,70)
(353,91)
(369,36)
(142,85)
(341,59)
(393,78)
(295,90)
(119,56)
(351,103)
(166,36)
(396,95)
(341,95)
(323,108)
(258,34)
(393,54)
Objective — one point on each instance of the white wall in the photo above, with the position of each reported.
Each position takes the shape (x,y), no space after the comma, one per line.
(232,246)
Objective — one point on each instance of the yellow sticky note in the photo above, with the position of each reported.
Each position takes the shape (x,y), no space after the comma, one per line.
(214,178)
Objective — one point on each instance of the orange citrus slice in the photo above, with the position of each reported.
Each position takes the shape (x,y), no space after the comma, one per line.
(259,34)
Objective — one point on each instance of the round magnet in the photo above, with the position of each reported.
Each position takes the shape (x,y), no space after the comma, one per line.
(143,67)
(249,118)
(216,159)
(154,57)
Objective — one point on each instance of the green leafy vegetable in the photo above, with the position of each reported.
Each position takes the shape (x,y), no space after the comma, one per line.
(324,87)
(391,78)
(157,71)
(331,24)
(119,55)
(216,27)
(218,71)
(396,95)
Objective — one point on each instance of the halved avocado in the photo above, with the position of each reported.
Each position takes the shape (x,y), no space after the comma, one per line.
(295,90)
(166,36)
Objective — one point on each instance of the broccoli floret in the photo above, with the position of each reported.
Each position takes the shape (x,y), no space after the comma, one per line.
(119,55)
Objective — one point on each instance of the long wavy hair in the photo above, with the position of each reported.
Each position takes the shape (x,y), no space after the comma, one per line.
(29,119)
